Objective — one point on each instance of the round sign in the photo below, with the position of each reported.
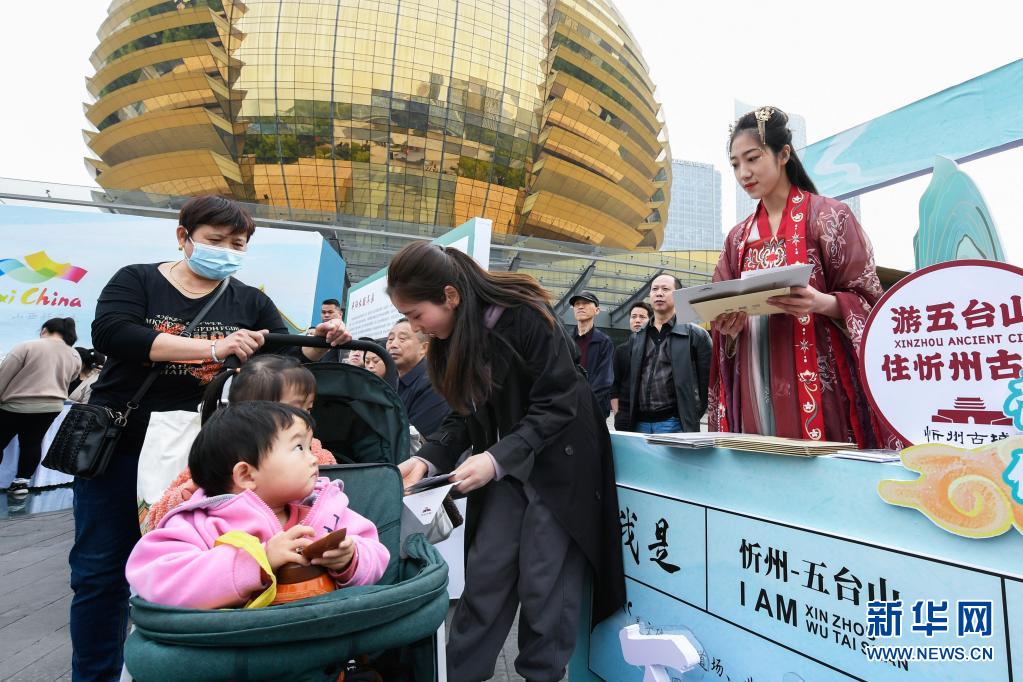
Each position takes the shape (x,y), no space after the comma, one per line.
(940,349)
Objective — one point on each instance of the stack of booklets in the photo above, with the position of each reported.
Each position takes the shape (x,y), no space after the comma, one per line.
(690,441)
(749,443)
(870,455)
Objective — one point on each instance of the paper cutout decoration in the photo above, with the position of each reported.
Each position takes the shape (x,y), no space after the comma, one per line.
(1014,476)
(963,491)
(1014,403)
(955,222)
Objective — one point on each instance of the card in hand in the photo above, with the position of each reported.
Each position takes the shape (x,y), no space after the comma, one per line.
(429,483)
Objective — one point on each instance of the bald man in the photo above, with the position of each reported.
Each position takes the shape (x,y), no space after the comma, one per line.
(669,369)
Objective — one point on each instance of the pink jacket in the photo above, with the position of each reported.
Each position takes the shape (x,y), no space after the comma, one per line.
(177,563)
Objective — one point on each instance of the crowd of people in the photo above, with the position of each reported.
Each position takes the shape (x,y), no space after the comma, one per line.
(509,403)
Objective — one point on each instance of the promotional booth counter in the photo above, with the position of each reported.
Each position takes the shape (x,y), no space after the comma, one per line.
(747,566)
(769,561)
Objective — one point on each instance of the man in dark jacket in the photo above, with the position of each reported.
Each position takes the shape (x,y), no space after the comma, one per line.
(595,348)
(639,316)
(331,309)
(669,369)
(426,410)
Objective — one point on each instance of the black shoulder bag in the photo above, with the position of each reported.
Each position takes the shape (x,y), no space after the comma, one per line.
(85,442)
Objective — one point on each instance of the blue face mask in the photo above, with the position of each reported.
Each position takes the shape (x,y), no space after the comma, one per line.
(214,262)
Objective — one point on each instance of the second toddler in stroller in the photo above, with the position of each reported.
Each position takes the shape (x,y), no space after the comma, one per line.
(260,502)
(265,377)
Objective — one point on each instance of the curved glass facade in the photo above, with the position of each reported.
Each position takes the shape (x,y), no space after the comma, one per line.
(538,115)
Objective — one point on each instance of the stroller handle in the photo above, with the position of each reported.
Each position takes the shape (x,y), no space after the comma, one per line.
(302,340)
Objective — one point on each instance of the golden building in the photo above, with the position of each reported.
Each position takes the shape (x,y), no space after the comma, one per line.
(538,114)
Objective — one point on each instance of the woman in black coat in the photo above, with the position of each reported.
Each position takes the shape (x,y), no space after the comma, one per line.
(540,479)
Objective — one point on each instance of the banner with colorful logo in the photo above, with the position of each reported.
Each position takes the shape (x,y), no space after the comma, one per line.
(55,263)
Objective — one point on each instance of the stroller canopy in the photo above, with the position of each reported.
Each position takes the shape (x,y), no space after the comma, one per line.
(359,417)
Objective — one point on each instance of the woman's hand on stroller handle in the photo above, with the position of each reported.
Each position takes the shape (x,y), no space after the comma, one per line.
(241,344)
(284,547)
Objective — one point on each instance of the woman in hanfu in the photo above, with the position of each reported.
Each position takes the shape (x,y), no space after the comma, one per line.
(796,374)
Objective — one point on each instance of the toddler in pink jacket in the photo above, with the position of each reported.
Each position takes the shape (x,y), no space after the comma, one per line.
(260,501)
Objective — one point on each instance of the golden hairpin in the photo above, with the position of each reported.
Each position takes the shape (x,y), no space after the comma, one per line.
(763,115)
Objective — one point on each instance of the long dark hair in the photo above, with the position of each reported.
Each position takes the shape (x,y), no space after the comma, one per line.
(65,326)
(459,366)
(264,377)
(777,134)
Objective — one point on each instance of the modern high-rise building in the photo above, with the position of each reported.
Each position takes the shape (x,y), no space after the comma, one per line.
(797,124)
(694,214)
(538,114)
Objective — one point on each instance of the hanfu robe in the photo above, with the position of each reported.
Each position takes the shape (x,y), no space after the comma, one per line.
(765,381)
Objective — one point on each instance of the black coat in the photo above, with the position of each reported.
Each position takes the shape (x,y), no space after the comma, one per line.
(620,388)
(599,371)
(690,350)
(552,435)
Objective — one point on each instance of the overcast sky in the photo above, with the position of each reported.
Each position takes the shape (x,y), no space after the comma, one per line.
(836,64)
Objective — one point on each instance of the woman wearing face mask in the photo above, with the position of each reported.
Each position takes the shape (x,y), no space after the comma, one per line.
(794,374)
(139,317)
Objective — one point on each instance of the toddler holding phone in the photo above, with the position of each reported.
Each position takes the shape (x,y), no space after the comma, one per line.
(260,503)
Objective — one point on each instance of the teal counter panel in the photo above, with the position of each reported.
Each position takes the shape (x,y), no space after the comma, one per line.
(826,494)
(810,592)
(820,523)
(664,544)
(737,654)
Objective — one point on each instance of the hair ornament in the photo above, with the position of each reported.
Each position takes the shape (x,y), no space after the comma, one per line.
(763,115)
(226,390)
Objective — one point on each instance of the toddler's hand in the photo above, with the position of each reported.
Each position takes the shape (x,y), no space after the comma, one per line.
(337,559)
(284,547)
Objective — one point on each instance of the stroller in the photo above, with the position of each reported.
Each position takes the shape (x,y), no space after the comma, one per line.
(361,420)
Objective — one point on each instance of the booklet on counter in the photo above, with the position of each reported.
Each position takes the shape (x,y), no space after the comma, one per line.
(881,456)
(429,483)
(748,294)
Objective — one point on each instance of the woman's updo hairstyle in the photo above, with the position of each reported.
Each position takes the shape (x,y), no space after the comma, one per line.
(64,326)
(770,126)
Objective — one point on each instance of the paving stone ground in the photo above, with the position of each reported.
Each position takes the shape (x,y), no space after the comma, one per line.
(34,639)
